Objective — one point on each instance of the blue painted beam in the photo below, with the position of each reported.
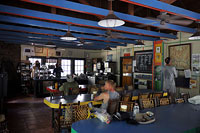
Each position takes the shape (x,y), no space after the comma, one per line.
(164,7)
(24,41)
(60,18)
(12,35)
(38,23)
(63,4)
(52,32)
(21,37)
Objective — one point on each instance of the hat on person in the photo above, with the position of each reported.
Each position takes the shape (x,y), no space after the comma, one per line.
(70,78)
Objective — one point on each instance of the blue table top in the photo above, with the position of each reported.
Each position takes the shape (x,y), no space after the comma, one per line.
(173,118)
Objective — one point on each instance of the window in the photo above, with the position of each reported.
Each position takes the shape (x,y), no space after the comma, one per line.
(79,67)
(66,66)
(50,63)
(33,60)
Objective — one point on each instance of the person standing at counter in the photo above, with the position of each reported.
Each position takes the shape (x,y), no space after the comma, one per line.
(70,87)
(35,69)
(57,71)
(170,74)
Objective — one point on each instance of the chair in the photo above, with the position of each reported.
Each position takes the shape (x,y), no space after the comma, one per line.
(146,101)
(128,105)
(113,105)
(64,118)
(81,112)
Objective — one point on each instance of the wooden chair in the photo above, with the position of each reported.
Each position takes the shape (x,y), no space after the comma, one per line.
(81,112)
(113,106)
(126,98)
(64,118)
(129,106)
(146,101)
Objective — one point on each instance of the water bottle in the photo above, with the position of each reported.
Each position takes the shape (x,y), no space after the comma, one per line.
(136,109)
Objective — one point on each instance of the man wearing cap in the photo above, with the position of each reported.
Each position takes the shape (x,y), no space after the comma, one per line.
(70,87)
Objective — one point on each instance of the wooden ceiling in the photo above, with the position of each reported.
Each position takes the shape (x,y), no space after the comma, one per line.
(42,21)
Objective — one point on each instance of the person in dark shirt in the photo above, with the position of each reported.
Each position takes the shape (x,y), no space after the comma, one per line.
(57,71)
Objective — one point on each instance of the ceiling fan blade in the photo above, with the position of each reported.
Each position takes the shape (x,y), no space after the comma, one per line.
(175,17)
(181,22)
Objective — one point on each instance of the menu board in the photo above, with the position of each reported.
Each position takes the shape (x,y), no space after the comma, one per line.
(144,61)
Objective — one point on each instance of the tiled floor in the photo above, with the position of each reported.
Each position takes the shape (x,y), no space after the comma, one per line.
(28,115)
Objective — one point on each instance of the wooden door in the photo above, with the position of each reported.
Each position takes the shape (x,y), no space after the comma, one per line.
(127,71)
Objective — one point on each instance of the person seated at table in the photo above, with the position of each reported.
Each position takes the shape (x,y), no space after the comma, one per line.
(108,94)
(70,87)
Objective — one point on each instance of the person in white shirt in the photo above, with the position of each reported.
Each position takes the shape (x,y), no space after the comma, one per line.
(170,74)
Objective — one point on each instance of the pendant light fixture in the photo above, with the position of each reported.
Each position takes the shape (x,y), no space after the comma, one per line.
(107,48)
(68,36)
(111,20)
(196,35)
(139,44)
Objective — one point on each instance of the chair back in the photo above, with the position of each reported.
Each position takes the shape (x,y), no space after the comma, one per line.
(113,105)
(81,112)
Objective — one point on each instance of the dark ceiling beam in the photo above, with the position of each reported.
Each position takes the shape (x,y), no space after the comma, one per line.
(86,3)
(168,1)
(163,7)
(76,7)
(131,9)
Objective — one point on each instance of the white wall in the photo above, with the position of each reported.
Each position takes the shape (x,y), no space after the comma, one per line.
(66,52)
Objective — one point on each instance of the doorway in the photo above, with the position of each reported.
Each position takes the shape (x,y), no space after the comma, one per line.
(126,72)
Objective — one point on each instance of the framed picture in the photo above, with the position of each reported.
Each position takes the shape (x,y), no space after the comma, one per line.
(38,49)
(180,56)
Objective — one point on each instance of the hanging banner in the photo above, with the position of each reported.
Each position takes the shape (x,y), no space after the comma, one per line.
(158,53)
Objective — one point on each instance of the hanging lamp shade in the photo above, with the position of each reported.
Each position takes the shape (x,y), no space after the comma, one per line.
(111,20)
(68,36)
(50,44)
(195,36)
(139,44)
(107,48)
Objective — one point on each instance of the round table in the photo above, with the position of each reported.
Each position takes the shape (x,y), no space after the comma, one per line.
(173,118)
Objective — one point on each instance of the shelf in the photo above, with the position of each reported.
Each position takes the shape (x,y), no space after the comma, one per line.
(143,79)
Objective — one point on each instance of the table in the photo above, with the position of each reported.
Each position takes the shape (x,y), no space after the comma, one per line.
(38,84)
(173,118)
(82,98)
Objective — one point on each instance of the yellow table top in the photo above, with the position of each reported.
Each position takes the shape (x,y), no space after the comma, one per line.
(82,98)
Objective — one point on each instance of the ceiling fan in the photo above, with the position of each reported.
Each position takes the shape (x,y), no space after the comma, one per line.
(164,18)
(112,35)
(81,42)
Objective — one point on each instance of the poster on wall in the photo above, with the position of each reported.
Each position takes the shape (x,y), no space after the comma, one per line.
(109,57)
(158,53)
(28,51)
(195,63)
(178,59)
(193,83)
